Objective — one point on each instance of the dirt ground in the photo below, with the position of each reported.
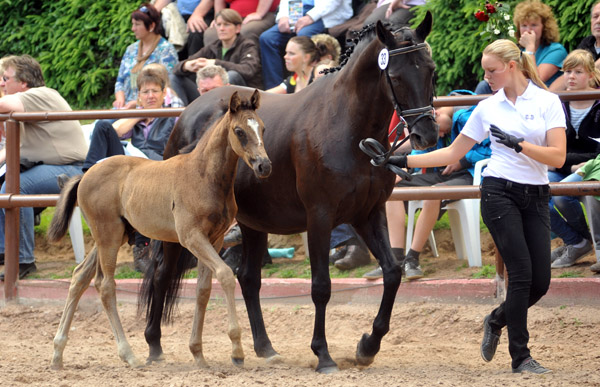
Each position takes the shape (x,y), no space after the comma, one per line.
(428,343)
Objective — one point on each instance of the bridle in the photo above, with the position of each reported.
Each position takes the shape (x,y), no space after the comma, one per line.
(372,147)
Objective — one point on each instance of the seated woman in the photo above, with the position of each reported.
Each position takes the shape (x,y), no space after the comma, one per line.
(300,58)
(567,219)
(150,47)
(538,35)
(238,55)
(148,135)
(171,97)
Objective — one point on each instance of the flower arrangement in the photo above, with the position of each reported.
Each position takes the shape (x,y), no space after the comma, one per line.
(496,22)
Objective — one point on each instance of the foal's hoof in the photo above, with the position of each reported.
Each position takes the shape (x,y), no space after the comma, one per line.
(237,362)
(361,357)
(56,366)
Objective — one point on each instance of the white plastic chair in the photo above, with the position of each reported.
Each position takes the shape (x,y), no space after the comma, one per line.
(464,223)
(76,233)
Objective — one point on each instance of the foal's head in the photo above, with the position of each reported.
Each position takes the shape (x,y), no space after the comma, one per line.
(246,133)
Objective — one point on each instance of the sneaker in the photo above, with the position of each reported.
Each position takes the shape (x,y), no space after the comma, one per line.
(532,366)
(412,270)
(489,344)
(595,267)
(558,253)
(24,270)
(572,255)
(374,274)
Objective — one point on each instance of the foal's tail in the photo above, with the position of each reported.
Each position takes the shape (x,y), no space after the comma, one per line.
(163,276)
(64,210)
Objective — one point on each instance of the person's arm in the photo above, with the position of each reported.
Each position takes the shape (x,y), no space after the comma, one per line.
(196,21)
(277,90)
(249,64)
(394,5)
(219,6)
(11,103)
(125,125)
(2,155)
(160,4)
(554,153)
(441,157)
(261,10)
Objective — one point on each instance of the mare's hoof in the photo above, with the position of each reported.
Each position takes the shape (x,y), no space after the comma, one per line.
(237,362)
(361,357)
(158,359)
(275,359)
(328,370)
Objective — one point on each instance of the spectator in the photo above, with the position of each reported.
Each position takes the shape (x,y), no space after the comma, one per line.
(48,148)
(591,171)
(567,219)
(258,15)
(451,121)
(538,35)
(150,47)
(590,43)
(148,136)
(317,15)
(238,55)
(171,97)
(514,189)
(211,77)
(300,57)
(198,14)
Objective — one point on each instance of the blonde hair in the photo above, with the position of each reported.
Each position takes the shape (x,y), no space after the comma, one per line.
(506,50)
(531,9)
(584,59)
(327,44)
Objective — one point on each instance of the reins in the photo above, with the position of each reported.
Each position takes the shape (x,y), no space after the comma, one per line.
(373,148)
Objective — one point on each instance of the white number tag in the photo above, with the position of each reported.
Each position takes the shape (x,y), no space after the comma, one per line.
(383,58)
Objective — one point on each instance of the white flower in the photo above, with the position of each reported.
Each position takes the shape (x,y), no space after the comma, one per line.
(507,17)
(497,31)
(511,33)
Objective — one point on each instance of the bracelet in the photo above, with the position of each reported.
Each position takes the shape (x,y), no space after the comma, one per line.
(529,52)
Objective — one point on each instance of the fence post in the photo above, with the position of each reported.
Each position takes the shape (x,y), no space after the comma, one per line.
(11,227)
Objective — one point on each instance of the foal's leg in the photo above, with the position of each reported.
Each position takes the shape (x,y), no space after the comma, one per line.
(112,237)
(203,289)
(79,283)
(254,245)
(200,246)
(375,234)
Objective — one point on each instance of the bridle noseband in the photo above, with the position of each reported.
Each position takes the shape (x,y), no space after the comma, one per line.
(372,147)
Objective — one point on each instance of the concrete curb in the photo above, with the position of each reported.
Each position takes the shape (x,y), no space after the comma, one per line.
(563,291)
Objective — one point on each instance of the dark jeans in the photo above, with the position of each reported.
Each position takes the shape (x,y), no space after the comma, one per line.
(104,143)
(185,86)
(518,218)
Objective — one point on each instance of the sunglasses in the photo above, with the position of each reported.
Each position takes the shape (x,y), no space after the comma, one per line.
(143,9)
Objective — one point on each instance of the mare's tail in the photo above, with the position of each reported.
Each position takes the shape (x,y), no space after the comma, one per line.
(64,210)
(170,271)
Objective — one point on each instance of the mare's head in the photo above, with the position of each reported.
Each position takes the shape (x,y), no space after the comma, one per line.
(409,69)
(246,133)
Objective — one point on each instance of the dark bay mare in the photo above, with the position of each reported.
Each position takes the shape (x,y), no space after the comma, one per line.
(320,178)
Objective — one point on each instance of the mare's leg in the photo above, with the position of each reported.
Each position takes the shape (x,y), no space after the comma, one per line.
(203,289)
(195,241)
(79,283)
(161,280)
(254,245)
(375,234)
(319,235)
(110,237)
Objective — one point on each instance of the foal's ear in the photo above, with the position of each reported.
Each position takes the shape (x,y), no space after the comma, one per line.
(425,27)
(234,102)
(384,35)
(255,99)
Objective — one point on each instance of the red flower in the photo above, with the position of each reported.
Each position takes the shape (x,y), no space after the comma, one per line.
(490,8)
(481,16)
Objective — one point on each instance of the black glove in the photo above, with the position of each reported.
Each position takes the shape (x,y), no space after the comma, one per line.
(507,139)
(396,165)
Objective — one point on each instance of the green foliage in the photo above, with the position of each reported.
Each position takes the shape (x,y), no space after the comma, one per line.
(486,271)
(79,43)
(457,45)
(570,274)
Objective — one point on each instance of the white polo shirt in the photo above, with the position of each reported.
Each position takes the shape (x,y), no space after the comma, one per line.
(535,112)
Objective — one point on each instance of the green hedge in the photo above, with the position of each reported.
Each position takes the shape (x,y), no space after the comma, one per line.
(79,43)
(457,45)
